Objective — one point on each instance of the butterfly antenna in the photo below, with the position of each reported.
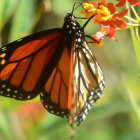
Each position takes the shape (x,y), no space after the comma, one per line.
(73,8)
(88,21)
(79,3)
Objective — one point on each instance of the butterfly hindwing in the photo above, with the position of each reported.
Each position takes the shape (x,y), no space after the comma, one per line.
(88,81)
(54,96)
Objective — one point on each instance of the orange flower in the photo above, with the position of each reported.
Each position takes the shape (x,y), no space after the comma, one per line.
(89,9)
(105,31)
(113,20)
(108,31)
(132,2)
(106,15)
(101,9)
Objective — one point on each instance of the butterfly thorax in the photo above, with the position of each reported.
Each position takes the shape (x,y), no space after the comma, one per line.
(72,29)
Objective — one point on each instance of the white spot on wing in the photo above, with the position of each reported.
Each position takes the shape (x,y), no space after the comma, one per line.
(19,40)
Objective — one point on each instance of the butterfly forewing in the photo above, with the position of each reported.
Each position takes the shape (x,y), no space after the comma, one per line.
(23,62)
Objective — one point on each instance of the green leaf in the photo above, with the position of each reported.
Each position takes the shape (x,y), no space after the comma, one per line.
(66,6)
(4,127)
(22,19)
(131,98)
(7,8)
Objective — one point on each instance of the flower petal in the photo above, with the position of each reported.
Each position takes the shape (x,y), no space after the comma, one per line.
(134,2)
(98,36)
(109,31)
(120,23)
(94,3)
(111,7)
(121,3)
(112,33)
(121,14)
(95,44)
(102,2)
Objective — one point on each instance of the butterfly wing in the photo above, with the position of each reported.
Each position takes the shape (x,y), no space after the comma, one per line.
(56,63)
(23,62)
(88,81)
(54,96)
(74,85)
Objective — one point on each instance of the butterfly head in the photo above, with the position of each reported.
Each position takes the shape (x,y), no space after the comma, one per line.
(72,27)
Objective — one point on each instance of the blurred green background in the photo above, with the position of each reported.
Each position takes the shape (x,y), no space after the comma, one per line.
(116,116)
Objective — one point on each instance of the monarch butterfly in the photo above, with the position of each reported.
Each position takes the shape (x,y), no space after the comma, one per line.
(56,64)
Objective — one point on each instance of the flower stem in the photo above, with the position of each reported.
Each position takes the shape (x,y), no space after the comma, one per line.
(132,100)
(130,19)
(135,13)
(133,25)
(129,25)
(137,33)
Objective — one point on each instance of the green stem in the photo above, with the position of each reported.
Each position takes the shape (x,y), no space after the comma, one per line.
(130,19)
(137,33)
(129,25)
(135,13)
(133,25)
(132,99)
(133,35)
(136,45)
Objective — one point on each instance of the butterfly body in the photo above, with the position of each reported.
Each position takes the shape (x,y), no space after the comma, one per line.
(56,64)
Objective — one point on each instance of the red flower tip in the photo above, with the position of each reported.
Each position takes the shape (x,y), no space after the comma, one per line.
(132,2)
(120,23)
(103,2)
(121,14)
(111,7)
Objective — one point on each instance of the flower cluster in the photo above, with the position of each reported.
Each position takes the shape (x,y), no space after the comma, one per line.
(106,15)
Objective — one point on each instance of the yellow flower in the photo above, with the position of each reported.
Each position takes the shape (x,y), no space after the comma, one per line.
(89,9)
(103,14)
